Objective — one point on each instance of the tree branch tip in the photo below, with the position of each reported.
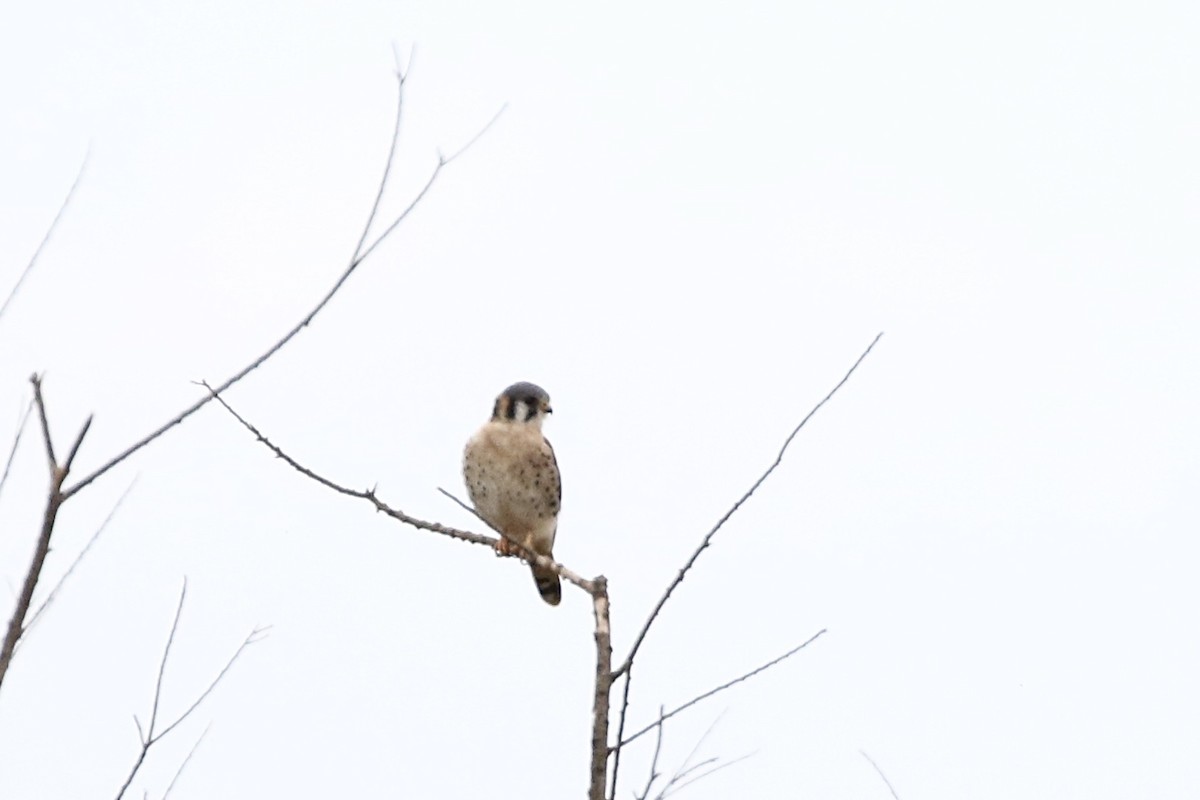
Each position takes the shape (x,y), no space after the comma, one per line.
(78,442)
(403,71)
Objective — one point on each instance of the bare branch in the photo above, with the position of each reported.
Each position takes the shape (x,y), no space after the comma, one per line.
(16,623)
(721,688)
(401,77)
(360,255)
(600,700)
(676,789)
(684,770)
(254,637)
(683,773)
(469,509)
(37,614)
(626,667)
(12,453)
(528,556)
(442,162)
(40,402)
(162,667)
(471,142)
(54,500)
(75,446)
(596,587)
(137,765)
(877,769)
(150,735)
(45,238)
(704,543)
(654,773)
(183,765)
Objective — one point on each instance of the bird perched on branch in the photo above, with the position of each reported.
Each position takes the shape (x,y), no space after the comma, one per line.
(513,481)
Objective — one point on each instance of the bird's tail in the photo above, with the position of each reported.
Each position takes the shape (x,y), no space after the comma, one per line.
(548,585)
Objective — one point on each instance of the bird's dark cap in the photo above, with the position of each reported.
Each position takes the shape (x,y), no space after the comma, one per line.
(524,390)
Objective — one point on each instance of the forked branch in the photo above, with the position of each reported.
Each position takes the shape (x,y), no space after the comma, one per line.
(361,252)
(626,668)
(687,773)
(152,733)
(59,493)
(708,537)
(54,500)
(662,717)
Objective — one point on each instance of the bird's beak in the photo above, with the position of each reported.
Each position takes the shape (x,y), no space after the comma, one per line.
(548,409)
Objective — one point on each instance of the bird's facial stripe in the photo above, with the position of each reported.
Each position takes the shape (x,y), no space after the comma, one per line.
(504,408)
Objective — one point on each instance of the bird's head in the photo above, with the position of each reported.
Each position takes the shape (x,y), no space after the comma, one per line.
(525,403)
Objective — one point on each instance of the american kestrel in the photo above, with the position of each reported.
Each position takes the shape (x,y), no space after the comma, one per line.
(513,480)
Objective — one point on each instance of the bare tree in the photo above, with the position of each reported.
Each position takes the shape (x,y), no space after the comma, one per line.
(61,490)
(606,750)
(597,588)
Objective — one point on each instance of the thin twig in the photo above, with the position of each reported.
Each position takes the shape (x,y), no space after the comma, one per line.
(46,237)
(704,543)
(718,689)
(469,509)
(36,615)
(76,444)
(254,637)
(151,735)
(40,402)
(443,161)
(683,773)
(12,453)
(162,667)
(626,667)
(401,77)
(369,495)
(654,773)
(360,255)
(885,777)
(676,789)
(683,768)
(186,759)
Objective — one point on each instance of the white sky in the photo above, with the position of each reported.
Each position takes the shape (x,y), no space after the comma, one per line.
(687,224)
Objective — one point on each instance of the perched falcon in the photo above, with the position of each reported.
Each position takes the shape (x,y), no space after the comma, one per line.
(512,478)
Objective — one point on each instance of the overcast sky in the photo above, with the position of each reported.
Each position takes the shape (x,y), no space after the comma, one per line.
(686,225)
